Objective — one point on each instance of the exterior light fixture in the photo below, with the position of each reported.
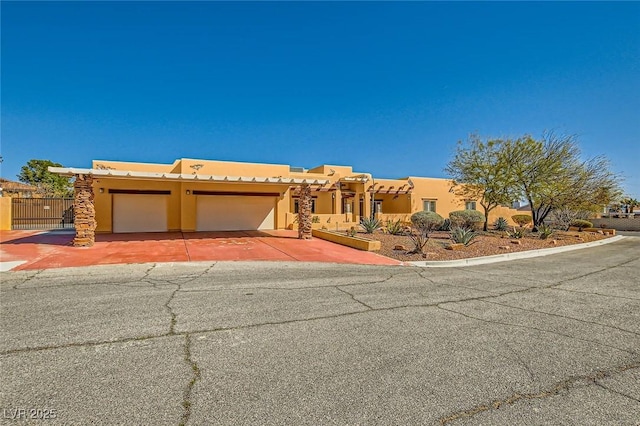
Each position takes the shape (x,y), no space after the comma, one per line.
(101,190)
(188,192)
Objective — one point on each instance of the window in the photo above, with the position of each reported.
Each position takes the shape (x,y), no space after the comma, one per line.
(470,205)
(296,205)
(377,206)
(429,205)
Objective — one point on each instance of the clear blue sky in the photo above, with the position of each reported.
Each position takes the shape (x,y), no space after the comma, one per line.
(386,87)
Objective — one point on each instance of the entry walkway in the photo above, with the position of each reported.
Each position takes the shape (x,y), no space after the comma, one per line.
(44,250)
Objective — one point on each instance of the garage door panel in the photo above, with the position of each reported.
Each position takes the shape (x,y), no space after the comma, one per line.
(234,213)
(139,213)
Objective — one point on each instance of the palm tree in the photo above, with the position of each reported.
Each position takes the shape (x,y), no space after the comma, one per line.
(630,203)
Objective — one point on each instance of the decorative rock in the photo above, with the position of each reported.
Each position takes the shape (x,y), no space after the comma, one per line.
(85,212)
(553,242)
(455,246)
(518,242)
(304,213)
(601,232)
(504,247)
(400,247)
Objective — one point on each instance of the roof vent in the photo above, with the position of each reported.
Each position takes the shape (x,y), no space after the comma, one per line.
(297,169)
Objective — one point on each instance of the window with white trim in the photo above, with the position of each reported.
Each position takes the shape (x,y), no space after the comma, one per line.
(429,205)
(470,205)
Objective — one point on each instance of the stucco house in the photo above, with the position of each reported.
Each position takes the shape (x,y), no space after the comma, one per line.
(204,195)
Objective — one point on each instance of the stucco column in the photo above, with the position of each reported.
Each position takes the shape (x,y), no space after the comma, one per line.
(85,212)
(304,213)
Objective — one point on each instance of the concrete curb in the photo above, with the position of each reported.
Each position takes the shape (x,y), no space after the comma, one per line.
(7,266)
(511,256)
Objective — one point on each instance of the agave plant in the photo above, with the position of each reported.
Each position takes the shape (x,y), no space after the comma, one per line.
(501,224)
(370,225)
(463,236)
(395,228)
(516,233)
(544,231)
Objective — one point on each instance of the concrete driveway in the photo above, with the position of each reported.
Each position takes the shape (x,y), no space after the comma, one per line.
(44,250)
(553,340)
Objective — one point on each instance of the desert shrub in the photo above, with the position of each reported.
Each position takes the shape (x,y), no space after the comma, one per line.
(370,225)
(544,231)
(464,236)
(501,224)
(429,221)
(315,219)
(581,224)
(446,226)
(352,232)
(395,228)
(521,219)
(466,219)
(423,224)
(516,233)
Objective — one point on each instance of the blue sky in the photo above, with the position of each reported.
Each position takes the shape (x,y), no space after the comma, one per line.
(386,87)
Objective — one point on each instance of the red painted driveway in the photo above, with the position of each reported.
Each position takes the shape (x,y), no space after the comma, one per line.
(43,250)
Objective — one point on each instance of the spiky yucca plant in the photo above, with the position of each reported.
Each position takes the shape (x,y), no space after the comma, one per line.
(501,224)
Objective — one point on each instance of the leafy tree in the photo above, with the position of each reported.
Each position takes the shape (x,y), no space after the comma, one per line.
(630,203)
(36,173)
(481,172)
(550,175)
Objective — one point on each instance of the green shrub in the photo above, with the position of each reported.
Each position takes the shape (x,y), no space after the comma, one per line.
(315,219)
(370,225)
(516,233)
(463,236)
(395,228)
(352,232)
(446,226)
(521,219)
(501,224)
(581,224)
(544,231)
(429,221)
(466,219)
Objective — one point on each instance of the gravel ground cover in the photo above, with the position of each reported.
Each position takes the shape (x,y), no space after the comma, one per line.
(485,244)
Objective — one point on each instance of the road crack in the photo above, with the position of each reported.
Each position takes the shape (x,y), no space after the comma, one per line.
(563,386)
(529,327)
(195,376)
(354,298)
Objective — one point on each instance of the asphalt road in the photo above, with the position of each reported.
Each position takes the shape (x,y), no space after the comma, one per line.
(550,340)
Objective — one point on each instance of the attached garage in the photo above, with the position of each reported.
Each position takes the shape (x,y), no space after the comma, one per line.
(235,212)
(140,212)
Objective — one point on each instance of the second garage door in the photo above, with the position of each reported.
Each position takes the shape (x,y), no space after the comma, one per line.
(234,213)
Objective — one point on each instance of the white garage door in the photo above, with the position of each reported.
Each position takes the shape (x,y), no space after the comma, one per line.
(139,213)
(234,213)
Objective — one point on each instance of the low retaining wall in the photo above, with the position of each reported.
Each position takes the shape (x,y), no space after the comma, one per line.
(618,223)
(345,240)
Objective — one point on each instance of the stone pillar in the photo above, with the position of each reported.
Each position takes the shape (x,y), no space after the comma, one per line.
(85,212)
(304,213)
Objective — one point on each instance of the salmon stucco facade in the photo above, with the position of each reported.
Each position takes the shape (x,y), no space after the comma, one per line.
(203,195)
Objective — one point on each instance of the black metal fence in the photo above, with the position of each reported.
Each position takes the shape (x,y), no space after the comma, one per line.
(41,213)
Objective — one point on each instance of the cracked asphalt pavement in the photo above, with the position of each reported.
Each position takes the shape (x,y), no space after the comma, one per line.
(549,340)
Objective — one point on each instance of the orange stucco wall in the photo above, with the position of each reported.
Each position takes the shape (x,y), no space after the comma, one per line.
(181,209)
(5,213)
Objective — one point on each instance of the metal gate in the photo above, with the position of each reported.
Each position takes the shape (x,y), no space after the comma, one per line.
(41,213)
